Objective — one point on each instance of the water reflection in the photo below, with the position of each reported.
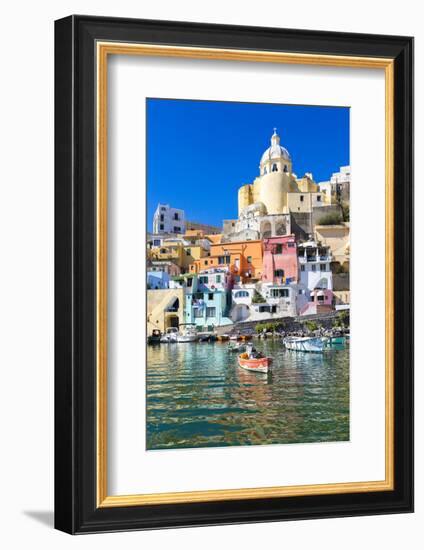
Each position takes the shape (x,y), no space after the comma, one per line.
(197,396)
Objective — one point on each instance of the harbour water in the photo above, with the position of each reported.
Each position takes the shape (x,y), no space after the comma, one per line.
(197,396)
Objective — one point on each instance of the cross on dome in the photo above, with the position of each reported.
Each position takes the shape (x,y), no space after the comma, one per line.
(276,151)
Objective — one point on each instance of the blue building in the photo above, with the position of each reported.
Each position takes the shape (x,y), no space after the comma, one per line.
(157,280)
(207,298)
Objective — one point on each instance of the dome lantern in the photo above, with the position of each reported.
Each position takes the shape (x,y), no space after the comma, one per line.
(276,157)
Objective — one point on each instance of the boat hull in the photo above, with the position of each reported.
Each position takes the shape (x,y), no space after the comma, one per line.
(181,339)
(168,340)
(314,345)
(261,365)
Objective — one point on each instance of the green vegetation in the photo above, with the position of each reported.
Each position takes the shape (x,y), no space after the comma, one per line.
(311,325)
(342,320)
(338,268)
(345,211)
(258,298)
(267,327)
(330,219)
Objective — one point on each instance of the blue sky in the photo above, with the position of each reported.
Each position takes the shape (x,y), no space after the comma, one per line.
(200,152)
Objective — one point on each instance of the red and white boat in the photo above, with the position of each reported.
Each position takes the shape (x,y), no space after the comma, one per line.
(260,364)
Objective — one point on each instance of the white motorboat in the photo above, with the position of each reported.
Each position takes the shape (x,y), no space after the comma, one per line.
(170,336)
(187,333)
(305,343)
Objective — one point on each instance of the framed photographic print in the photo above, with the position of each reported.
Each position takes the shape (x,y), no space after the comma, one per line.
(234,287)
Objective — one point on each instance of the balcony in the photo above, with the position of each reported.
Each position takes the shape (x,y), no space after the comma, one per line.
(314,258)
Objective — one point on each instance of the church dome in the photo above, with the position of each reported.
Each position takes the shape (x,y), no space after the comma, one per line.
(276,151)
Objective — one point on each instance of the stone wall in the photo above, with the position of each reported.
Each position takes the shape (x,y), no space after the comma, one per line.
(291,324)
(303,222)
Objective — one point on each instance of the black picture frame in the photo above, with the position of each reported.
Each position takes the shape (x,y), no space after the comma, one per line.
(76,510)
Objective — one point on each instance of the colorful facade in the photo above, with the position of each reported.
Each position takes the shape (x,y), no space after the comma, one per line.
(165,308)
(207,297)
(315,265)
(320,301)
(280,264)
(260,265)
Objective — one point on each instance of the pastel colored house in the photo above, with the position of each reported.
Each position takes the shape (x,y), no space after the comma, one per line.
(207,297)
(167,219)
(280,264)
(157,280)
(167,266)
(165,308)
(180,251)
(315,265)
(266,302)
(320,301)
(337,238)
(243,259)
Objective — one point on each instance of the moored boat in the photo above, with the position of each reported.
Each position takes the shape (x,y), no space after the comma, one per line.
(237,347)
(245,337)
(170,336)
(155,337)
(223,338)
(259,364)
(187,333)
(305,343)
(337,341)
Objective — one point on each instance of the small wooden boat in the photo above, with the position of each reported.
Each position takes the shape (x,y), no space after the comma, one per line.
(260,364)
(305,343)
(235,337)
(245,337)
(223,338)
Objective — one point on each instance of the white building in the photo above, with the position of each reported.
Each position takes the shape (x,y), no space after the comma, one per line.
(314,265)
(168,220)
(279,301)
(341,177)
(339,184)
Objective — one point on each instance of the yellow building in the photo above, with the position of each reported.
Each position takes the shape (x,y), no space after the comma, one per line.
(307,184)
(274,182)
(214,239)
(337,238)
(171,251)
(277,190)
(165,308)
(180,251)
(305,201)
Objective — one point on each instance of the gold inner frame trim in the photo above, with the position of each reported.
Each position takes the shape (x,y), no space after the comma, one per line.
(104,49)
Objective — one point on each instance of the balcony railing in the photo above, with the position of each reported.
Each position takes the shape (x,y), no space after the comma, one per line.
(305,259)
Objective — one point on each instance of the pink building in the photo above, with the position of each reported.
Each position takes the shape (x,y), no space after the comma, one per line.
(280,260)
(320,301)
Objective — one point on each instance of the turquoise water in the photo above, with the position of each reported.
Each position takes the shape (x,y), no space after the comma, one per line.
(197,396)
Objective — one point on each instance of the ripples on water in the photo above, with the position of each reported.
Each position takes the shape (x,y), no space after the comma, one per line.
(197,396)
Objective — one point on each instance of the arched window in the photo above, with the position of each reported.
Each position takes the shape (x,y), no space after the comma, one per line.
(265,170)
(242,294)
(285,168)
(274,168)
